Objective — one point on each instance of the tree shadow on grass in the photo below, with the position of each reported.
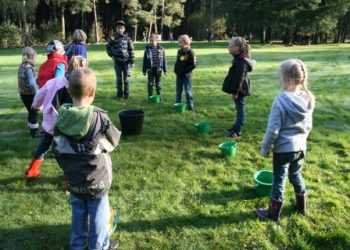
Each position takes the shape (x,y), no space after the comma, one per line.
(223,197)
(37,237)
(197,221)
(37,185)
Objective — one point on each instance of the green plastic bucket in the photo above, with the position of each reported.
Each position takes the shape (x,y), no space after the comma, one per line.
(203,127)
(180,107)
(228,149)
(154,98)
(263,182)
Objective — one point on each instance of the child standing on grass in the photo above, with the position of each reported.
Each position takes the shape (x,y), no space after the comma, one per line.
(154,62)
(290,122)
(184,65)
(27,88)
(121,49)
(84,136)
(237,78)
(49,98)
(78,47)
(55,65)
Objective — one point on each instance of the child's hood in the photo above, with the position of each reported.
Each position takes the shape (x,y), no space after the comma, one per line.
(74,121)
(295,105)
(250,62)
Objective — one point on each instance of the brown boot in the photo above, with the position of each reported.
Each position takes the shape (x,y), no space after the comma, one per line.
(273,212)
(33,169)
(300,203)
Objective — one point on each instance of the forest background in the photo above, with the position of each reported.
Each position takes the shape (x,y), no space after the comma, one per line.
(35,22)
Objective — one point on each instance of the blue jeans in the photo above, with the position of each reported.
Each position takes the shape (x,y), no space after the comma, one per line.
(240,117)
(184,83)
(283,164)
(154,75)
(122,73)
(94,232)
(43,146)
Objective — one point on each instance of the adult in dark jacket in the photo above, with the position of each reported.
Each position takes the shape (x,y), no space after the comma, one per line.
(154,62)
(121,49)
(238,73)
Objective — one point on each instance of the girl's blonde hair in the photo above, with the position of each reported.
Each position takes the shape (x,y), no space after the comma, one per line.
(294,72)
(185,38)
(77,62)
(79,36)
(26,52)
(241,43)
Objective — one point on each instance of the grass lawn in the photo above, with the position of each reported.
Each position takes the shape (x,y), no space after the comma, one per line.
(172,189)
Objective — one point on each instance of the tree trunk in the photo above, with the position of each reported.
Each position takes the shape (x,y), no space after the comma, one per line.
(268,37)
(287,39)
(211,14)
(149,31)
(155,20)
(135,35)
(96,23)
(188,21)
(263,34)
(25,28)
(82,20)
(162,23)
(63,24)
(122,12)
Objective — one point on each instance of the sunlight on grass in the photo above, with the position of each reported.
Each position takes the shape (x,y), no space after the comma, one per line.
(172,188)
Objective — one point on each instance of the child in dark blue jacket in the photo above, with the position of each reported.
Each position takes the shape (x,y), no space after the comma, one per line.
(154,62)
(78,47)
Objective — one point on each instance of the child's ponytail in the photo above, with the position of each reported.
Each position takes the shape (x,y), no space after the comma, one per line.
(304,82)
(77,62)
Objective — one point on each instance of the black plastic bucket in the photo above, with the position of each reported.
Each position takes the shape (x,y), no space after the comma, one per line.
(131,121)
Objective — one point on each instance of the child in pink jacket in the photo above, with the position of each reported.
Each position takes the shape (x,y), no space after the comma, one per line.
(48,99)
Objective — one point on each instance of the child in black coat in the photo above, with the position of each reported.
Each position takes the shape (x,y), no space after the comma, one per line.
(184,65)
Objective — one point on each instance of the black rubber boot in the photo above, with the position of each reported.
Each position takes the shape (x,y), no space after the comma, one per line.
(273,212)
(300,203)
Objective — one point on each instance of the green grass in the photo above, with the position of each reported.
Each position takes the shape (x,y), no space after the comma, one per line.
(172,189)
